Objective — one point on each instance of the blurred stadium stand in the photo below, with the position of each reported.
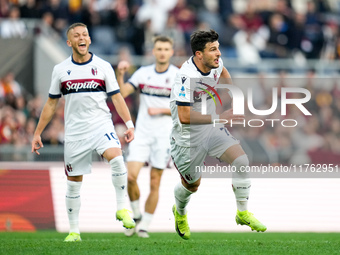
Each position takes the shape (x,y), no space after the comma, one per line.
(294,39)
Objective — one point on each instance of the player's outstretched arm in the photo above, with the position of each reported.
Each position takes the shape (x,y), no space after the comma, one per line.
(187,116)
(124,113)
(45,117)
(125,87)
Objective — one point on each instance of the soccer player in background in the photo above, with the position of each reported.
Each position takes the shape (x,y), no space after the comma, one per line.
(193,136)
(153,127)
(86,81)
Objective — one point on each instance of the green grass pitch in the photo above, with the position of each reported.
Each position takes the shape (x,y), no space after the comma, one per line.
(51,242)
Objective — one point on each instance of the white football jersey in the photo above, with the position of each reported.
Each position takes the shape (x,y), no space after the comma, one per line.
(190,84)
(155,90)
(85,86)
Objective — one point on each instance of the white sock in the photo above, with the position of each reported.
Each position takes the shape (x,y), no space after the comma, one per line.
(119,180)
(145,222)
(72,200)
(182,198)
(242,205)
(135,209)
(241,183)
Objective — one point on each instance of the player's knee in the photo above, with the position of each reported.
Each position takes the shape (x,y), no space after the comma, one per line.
(118,166)
(132,179)
(75,178)
(240,161)
(154,184)
(155,179)
(193,187)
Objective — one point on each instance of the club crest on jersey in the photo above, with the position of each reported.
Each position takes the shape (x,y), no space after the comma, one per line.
(69,168)
(94,71)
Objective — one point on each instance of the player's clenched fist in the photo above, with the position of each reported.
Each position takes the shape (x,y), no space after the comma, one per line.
(129,135)
(228,115)
(123,66)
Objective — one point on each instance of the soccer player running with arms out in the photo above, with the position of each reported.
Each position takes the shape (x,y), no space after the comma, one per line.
(153,127)
(86,81)
(193,136)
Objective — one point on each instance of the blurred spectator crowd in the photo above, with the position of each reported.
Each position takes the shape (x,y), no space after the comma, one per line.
(20,112)
(249,29)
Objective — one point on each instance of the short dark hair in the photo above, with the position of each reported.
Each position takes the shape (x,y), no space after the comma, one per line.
(78,24)
(162,38)
(200,38)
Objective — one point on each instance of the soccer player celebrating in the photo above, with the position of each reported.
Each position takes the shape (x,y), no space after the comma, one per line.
(193,136)
(86,81)
(153,127)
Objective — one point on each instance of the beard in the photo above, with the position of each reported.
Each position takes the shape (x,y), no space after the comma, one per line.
(211,64)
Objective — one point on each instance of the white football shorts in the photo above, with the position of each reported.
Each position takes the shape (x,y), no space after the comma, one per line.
(155,150)
(186,159)
(78,154)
